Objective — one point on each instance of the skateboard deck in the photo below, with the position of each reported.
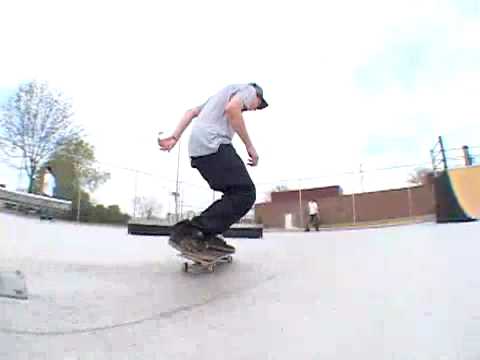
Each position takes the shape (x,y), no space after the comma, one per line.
(205,260)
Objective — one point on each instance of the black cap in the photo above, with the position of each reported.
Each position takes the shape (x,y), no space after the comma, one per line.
(259,90)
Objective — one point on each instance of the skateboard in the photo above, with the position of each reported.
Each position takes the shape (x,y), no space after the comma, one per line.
(205,260)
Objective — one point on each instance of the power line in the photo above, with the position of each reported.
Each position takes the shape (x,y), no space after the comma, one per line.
(336,174)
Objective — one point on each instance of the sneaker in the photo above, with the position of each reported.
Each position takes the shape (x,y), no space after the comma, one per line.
(184,236)
(217,242)
(177,233)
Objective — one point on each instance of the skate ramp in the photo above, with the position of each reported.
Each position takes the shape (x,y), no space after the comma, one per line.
(466,187)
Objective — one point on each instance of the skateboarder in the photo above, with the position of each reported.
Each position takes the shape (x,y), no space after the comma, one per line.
(212,154)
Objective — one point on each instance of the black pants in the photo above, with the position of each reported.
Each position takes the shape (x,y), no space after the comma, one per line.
(312,221)
(224,171)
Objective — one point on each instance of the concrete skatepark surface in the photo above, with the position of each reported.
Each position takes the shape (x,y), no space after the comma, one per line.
(95,292)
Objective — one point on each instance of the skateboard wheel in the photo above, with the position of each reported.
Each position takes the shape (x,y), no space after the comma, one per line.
(211,268)
(185,267)
(230,259)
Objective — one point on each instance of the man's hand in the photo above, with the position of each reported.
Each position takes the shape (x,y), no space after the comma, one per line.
(253,160)
(168,143)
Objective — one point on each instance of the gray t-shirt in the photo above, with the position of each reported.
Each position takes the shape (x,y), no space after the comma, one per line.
(212,127)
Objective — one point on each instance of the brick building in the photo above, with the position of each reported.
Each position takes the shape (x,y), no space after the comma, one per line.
(289,208)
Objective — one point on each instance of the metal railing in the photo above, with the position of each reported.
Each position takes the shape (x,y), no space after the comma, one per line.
(443,159)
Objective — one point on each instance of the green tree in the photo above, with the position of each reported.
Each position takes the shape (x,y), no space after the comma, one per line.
(115,216)
(107,215)
(77,172)
(277,188)
(34,124)
(75,165)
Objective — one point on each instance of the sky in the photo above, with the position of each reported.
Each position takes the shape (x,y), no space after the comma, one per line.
(351,85)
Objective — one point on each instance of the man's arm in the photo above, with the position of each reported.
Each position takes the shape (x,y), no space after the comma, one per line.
(185,121)
(233,110)
(169,142)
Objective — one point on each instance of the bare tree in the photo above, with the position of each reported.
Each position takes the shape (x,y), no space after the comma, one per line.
(277,188)
(420,176)
(147,208)
(35,123)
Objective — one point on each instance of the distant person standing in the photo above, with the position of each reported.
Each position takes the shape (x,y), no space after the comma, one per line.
(48,189)
(313,219)
(49,182)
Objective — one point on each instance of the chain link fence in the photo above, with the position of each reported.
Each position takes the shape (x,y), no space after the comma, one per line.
(366,191)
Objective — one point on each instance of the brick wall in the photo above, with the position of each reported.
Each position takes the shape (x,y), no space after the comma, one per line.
(338,209)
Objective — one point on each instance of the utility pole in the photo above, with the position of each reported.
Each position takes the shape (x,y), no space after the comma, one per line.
(442,150)
(135,199)
(176,194)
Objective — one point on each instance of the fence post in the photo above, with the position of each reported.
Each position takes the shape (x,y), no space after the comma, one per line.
(442,150)
(354,210)
(410,202)
(300,207)
(434,166)
(361,179)
(466,155)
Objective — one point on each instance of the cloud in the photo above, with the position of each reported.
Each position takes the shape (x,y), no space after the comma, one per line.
(468,8)
(400,64)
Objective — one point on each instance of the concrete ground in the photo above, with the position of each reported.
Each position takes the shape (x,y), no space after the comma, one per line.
(407,292)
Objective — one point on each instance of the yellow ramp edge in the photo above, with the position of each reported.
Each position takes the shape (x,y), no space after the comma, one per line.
(466,185)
